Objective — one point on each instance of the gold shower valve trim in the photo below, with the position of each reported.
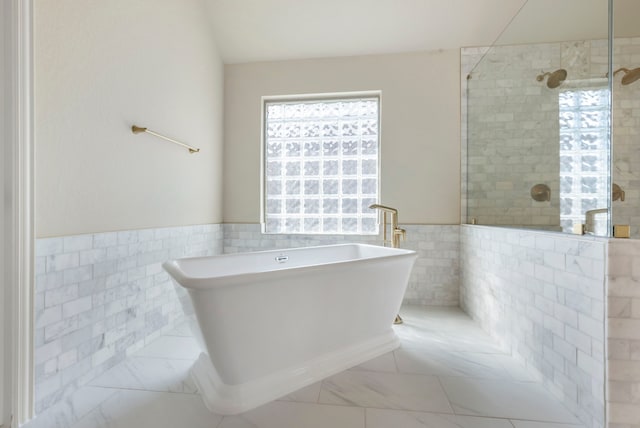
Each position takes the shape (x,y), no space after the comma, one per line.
(541,193)
(138,129)
(617,193)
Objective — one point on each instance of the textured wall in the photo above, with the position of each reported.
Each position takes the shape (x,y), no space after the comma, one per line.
(542,295)
(101,296)
(100,67)
(420,127)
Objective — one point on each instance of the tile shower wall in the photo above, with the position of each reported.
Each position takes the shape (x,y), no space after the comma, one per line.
(101,296)
(626,126)
(623,353)
(513,122)
(541,295)
(434,279)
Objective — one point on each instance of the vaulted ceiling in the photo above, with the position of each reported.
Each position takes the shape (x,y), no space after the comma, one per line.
(268,30)
(264,30)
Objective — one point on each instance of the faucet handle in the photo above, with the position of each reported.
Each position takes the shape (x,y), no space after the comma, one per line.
(400,231)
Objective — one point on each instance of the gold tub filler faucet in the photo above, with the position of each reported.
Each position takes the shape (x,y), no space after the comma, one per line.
(396,233)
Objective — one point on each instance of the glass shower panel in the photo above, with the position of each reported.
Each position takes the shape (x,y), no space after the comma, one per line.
(626,115)
(537,120)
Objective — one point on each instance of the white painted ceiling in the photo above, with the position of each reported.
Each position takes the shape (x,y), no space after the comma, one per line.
(267,30)
(271,30)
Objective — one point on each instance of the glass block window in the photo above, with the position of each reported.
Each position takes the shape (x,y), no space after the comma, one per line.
(584,154)
(321,166)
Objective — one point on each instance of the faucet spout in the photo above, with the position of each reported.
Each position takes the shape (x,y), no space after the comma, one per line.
(394,241)
(396,232)
(384,208)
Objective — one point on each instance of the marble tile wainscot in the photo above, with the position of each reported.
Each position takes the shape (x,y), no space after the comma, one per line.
(100,297)
(541,294)
(435,276)
(623,352)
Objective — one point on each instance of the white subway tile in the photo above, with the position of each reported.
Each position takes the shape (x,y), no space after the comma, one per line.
(77,306)
(56,330)
(79,274)
(58,262)
(591,327)
(74,244)
(48,351)
(624,328)
(48,246)
(48,316)
(92,256)
(104,240)
(60,295)
(75,338)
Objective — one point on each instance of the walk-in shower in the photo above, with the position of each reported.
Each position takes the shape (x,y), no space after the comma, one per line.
(573,134)
(550,141)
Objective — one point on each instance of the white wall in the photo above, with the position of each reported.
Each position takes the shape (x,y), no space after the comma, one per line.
(420,127)
(102,66)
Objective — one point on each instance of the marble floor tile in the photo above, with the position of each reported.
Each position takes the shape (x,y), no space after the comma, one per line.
(445,363)
(173,347)
(532,424)
(308,394)
(71,409)
(282,414)
(149,374)
(383,363)
(144,409)
(383,418)
(504,399)
(182,329)
(447,374)
(443,328)
(385,390)
(517,370)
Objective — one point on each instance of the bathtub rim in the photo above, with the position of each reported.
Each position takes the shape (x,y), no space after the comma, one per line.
(207,282)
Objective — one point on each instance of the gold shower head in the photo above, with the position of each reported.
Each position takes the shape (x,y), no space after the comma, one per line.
(630,76)
(553,79)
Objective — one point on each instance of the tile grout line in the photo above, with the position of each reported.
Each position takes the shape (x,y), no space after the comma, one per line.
(446,394)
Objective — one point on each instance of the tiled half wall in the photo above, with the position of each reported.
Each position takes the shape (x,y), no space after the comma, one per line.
(101,296)
(542,295)
(434,279)
(623,352)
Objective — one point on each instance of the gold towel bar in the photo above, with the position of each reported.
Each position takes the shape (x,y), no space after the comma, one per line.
(136,130)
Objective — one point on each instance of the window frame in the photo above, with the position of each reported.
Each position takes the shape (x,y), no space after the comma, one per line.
(315,97)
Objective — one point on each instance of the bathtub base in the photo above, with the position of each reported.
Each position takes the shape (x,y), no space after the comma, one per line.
(227,399)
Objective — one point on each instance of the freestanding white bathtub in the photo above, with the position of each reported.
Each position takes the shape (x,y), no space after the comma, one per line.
(272,322)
